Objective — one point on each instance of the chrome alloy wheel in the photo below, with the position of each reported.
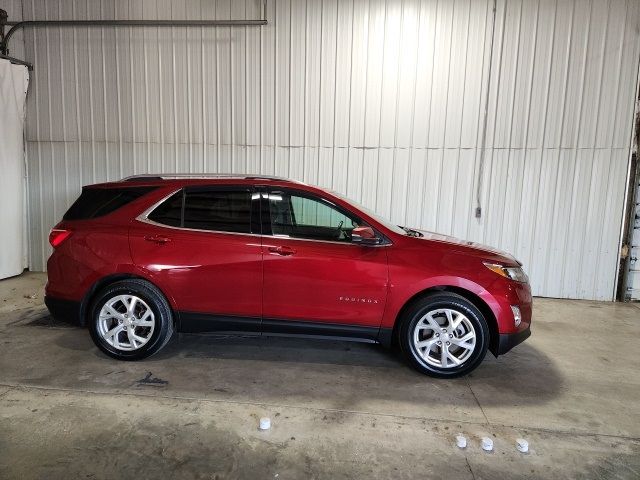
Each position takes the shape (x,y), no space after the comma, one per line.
(444,338)
(126,322)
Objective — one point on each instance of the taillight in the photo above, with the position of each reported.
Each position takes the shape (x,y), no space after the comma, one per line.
(57,236)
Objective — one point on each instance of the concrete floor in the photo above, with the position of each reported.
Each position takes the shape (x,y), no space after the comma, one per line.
(338,410)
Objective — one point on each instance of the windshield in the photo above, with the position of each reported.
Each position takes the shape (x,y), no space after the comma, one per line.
(375,216)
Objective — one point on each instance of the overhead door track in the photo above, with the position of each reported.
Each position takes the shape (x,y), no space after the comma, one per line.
(15,26)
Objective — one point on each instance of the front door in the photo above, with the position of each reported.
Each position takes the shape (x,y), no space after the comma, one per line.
(315,279)
(201,247)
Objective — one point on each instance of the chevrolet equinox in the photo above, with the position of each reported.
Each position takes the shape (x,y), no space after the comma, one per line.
(137,259)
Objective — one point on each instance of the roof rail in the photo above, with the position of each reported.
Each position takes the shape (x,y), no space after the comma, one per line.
(168,176)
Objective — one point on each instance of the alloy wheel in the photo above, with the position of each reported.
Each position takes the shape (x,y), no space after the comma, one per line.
(126,322)
(444,338)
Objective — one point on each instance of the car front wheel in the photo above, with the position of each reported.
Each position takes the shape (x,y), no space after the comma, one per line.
(444,335)
(130,320)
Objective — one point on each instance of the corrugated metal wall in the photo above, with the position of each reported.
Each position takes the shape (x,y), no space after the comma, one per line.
(381,100)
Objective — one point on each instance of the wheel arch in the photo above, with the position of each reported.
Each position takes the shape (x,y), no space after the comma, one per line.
(102,282)
(478,302)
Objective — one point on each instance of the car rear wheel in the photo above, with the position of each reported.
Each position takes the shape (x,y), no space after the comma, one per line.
(444,335)
(130,320)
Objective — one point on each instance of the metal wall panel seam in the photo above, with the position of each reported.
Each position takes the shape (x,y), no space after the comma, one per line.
(173,95)
(564,102)
(413,103)
(76,84)
(118,97)
(260,104)
(147,114)
(576,167)
(104,96)
(511,121)
(528,116)
(617,97)
(49,96)
(189,97)
(36,91)
(335,100)
(428,121)
(290,77)
(544,131)
(382,84)
(366,88)
(444,122)
(593,150)
(397,108)
(464,84)
(319,89)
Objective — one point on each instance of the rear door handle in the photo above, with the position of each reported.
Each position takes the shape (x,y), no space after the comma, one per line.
(159,239)
(284,251)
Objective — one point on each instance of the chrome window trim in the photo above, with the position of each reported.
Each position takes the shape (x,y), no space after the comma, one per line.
(144,218)
(349,244)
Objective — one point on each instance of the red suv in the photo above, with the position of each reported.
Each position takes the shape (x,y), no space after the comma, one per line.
(135,260)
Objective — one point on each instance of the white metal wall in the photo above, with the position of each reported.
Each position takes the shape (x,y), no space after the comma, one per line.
(380,100)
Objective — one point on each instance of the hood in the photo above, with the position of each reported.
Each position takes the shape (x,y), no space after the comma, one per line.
(468,245)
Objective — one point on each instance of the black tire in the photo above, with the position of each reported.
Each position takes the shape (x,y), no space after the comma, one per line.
(415,312)
(163,328)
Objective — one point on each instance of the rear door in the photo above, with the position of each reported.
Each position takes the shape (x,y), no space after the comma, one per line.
(202,245)
(315,279)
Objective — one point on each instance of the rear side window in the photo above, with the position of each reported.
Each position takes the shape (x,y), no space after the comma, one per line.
(97,202)
(223,211)
(169,212)
(215,210)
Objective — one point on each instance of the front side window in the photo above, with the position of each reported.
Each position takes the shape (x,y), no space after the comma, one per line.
(300,216)
(206,209)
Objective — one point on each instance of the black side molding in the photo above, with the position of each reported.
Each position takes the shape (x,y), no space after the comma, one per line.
(194,322)
(336,331)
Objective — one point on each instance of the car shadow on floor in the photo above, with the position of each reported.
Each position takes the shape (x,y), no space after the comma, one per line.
(526,375)
(526,371)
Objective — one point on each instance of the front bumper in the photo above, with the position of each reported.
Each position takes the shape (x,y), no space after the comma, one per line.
(67,311)
(506,341)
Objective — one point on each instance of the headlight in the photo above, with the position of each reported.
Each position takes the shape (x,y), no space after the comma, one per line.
(512,273)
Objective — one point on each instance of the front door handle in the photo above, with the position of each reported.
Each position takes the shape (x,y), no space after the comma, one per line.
(284,251)
(159,239)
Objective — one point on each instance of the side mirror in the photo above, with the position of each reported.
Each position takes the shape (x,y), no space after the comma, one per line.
(364,236)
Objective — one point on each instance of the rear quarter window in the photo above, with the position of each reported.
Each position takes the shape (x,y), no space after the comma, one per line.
(97,202)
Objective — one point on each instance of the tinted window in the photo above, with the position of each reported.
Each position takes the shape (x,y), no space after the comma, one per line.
(220,210)
(303,217)
(96,202)
(169,212)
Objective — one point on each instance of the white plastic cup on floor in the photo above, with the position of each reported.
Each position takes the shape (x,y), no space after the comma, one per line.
(265,423)
(487,444)
(461,441)
(522,445)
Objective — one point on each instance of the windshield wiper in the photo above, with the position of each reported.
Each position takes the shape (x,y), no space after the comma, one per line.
(411,232)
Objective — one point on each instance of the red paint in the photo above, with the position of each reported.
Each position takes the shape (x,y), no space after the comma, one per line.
(273,277)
